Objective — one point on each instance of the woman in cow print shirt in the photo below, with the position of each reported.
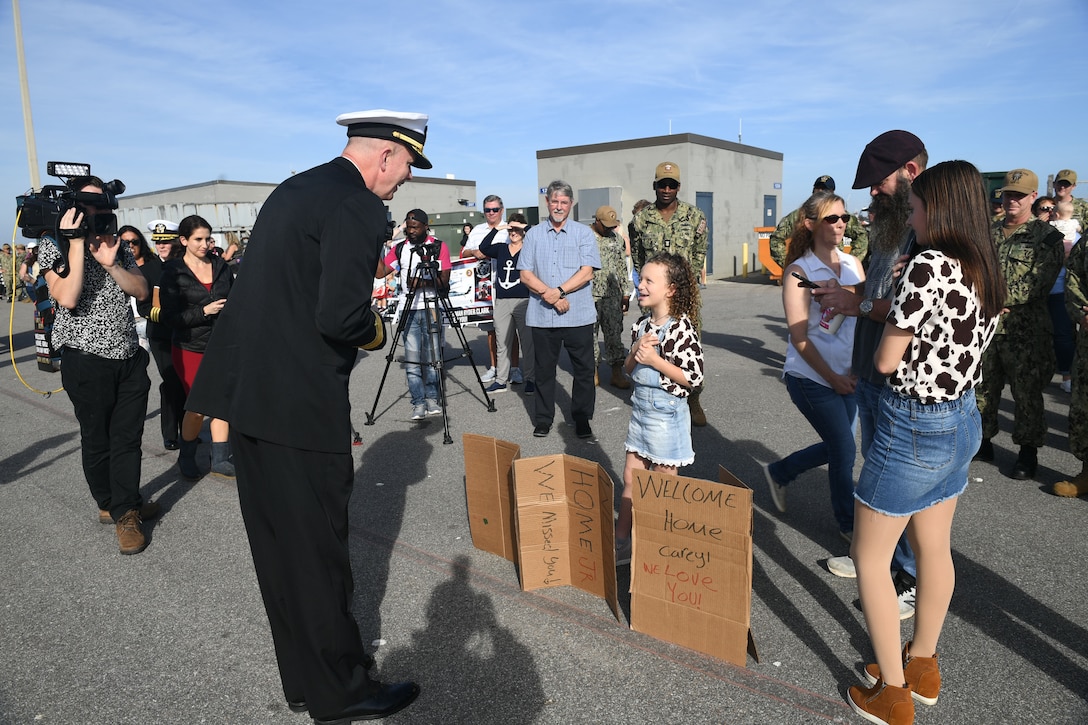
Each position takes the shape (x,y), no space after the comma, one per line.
(943,316)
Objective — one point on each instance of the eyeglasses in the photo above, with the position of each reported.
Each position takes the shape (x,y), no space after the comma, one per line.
(668,184)
(493,210)
(833,218)
(1047,209)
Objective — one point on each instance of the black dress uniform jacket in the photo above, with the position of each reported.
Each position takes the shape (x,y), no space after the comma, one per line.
(278,362)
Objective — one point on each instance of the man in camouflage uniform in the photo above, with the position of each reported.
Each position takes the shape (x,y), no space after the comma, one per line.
(1065,181)
(1076,302)
(611,294)
(671,225)
(1021,352)
(859,237)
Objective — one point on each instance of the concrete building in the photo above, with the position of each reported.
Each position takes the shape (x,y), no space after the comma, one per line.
(232,206)
(738,187)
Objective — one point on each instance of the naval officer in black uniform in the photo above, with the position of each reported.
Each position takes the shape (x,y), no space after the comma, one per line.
(276,368)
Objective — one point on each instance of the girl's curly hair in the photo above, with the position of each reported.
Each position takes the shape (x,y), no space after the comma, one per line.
(685,300)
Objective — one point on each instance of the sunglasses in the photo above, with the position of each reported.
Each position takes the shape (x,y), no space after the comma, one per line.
(1046,208)
(515,230)
(494,210)
(833,218)
(668,184)
(133,242)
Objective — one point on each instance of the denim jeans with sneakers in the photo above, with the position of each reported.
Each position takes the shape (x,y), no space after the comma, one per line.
(422,375)
(834,417)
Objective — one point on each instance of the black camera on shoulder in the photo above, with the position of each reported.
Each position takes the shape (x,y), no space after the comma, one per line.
(40,211)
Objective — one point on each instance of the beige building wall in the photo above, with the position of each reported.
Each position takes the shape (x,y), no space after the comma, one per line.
(738,176)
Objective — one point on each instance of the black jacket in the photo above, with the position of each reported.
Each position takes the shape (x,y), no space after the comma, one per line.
(183,299)
(278,364)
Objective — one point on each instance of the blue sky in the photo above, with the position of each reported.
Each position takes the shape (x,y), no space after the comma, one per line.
(163,95)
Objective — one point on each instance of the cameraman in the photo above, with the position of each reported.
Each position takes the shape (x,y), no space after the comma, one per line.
(103,367)
(419,247)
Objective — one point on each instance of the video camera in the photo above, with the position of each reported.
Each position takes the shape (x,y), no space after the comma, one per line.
(40,211)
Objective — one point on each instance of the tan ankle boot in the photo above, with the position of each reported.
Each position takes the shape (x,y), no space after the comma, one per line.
(883,703)
(922,674)
(1077,486)
(619,378)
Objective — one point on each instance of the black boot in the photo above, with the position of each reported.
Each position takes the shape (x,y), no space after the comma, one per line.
(1026,463)
(222,465)
(985,451)
(187,460)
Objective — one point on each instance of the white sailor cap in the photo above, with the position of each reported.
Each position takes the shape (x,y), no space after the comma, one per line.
(162,230)
(409,129)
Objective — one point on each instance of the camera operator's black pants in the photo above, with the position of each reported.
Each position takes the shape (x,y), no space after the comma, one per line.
(295,506)
(579,341)
(110,401)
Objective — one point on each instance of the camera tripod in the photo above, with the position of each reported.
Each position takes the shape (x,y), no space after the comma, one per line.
(436,309)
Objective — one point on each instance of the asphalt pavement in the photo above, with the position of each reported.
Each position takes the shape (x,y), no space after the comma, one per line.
(177,634)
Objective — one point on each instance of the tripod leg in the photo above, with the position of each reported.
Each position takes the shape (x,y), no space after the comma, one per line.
(451,316)
(397,336)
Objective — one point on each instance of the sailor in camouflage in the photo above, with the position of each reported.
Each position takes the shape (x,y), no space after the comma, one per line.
(1076,303)
(855,230)
(1065,182)
(611,293)
(1021,353)
(671,225)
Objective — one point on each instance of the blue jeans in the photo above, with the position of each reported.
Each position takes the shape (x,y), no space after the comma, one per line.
(868,397)
(834,417)
(422,374)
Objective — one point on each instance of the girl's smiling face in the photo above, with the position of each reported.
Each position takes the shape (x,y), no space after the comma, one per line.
(654,289)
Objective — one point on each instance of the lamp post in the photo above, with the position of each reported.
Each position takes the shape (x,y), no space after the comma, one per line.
(24,87)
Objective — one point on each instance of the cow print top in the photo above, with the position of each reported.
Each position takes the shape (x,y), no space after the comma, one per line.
(944,358)
(680,346)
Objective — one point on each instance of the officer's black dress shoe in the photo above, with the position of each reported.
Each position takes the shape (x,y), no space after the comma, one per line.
(582,429)
(388,700)
(542,430)
(170,444)
(297,705)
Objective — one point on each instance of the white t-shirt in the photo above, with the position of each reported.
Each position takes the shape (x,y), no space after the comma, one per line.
(480,231)
(837,349)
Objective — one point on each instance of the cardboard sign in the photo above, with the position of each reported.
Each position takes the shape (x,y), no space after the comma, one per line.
(555,512)
(489,487)
(691,569)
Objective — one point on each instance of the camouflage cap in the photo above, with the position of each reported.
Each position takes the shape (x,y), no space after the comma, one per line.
(607,217)
(667,170)
(1066,175)
(884,154)
(1021,181)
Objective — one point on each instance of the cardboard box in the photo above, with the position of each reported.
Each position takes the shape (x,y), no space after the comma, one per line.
(489,489)
(691,569)
(553,512)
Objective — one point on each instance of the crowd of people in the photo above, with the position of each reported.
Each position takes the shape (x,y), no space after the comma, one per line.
(913,346)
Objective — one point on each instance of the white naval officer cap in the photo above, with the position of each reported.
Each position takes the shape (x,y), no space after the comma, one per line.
(409,129)
(162,230)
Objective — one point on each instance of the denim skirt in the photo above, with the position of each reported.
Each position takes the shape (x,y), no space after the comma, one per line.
(660,428)
(920,453)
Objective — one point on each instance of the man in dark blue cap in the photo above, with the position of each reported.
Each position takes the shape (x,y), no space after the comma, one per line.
(276,368)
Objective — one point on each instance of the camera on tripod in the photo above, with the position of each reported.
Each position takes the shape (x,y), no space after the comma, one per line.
(40,211)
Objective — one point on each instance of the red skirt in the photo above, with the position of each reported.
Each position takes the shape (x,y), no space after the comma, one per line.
(186,363)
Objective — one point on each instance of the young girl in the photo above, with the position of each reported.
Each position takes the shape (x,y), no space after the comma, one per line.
(943,316)
(665,363)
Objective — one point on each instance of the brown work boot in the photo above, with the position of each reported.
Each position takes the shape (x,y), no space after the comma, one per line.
(922,674)
(698,417)
(1077,486)
(149,510)
(596,378)
(130,537)
(619,378)
(882,703)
